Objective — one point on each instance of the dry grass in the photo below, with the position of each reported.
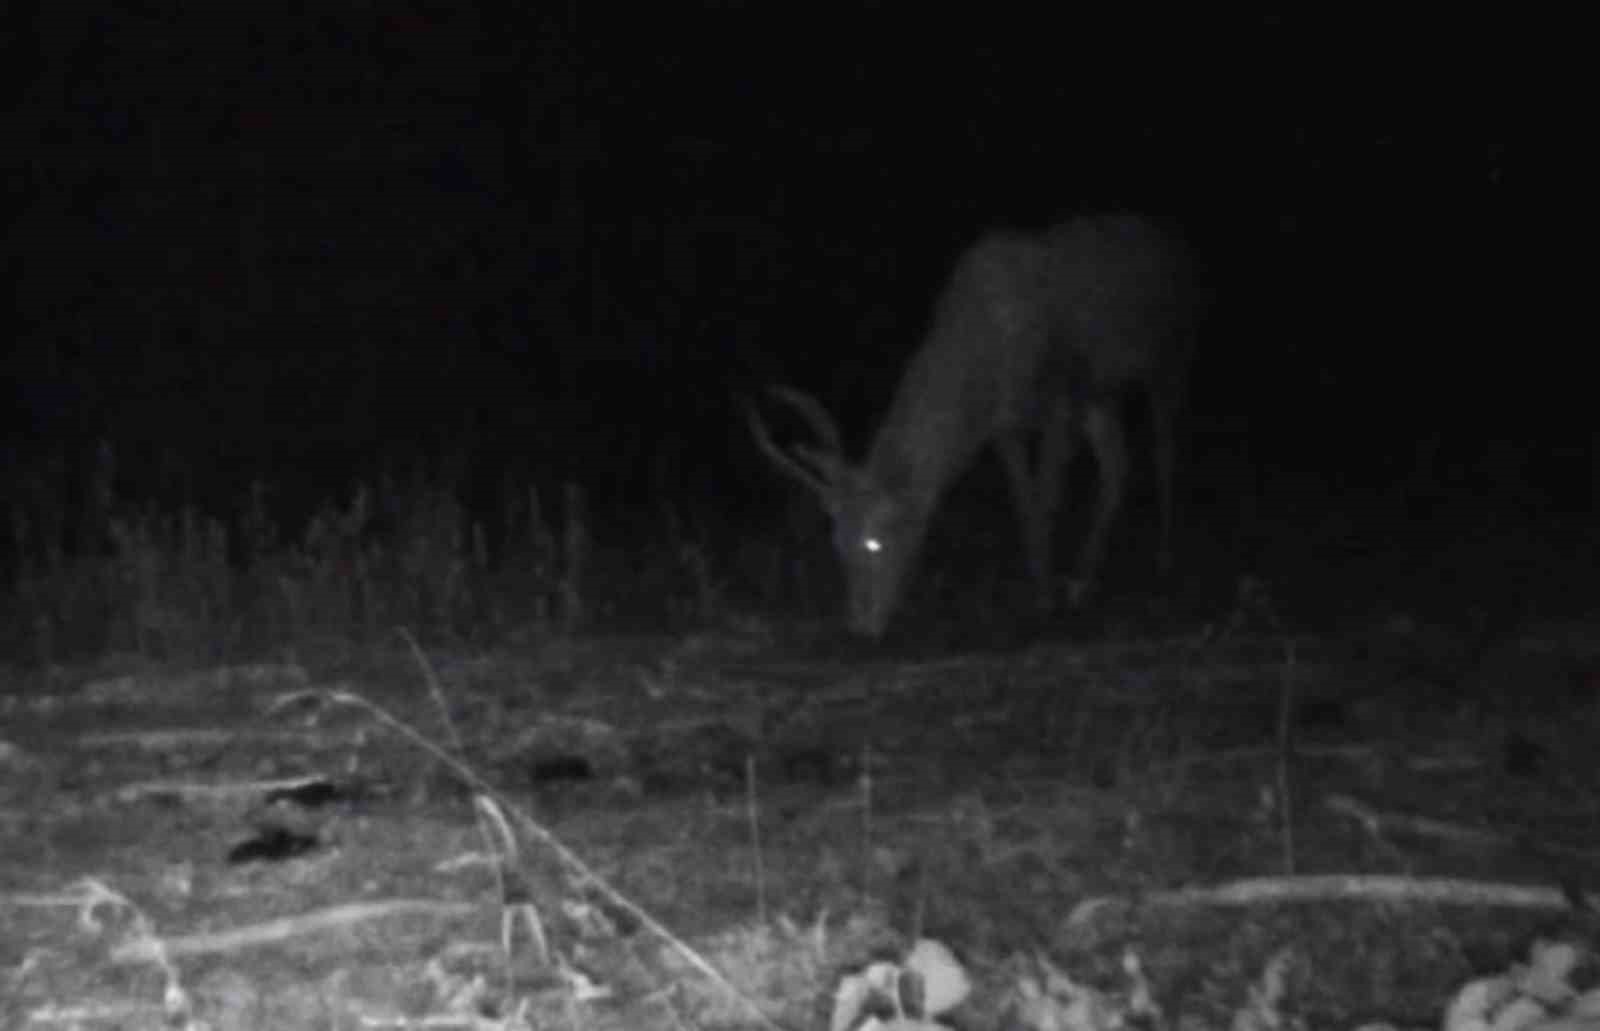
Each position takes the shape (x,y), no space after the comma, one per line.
(688,832)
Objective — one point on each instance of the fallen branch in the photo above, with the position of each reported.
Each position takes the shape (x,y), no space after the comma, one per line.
(1376,822)
(1342,887)
(144,949)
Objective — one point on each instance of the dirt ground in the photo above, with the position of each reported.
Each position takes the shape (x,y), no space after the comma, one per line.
(1315,807)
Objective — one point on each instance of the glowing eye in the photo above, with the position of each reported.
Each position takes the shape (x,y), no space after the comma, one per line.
(872,544)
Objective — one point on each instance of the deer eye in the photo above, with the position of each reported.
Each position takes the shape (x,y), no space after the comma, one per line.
(872,544)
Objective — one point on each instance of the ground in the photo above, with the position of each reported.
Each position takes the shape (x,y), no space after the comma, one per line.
(548,829)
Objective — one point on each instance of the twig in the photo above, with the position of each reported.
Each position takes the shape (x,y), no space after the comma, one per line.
(1285,751)
(753,814)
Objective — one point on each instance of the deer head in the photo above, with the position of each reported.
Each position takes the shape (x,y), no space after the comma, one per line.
(877,528)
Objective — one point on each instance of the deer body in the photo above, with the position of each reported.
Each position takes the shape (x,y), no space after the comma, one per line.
(1032,335)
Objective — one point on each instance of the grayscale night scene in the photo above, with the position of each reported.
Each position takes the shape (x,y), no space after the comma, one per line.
(1082,509)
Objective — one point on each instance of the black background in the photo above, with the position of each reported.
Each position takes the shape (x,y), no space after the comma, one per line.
(560,242)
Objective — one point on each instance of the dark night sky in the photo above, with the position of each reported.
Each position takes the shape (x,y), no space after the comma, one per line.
(292,242)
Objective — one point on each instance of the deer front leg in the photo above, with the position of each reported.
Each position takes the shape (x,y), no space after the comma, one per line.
(1103,426)
(1036,494)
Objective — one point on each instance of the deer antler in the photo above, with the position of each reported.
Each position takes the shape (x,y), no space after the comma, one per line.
(817,416)
(819,468)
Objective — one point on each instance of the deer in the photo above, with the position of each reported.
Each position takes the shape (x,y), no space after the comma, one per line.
(1034,336)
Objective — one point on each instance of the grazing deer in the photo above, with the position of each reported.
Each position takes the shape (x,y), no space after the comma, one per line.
(1041,334)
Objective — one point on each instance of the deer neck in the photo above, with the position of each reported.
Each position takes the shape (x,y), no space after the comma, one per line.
(934,429)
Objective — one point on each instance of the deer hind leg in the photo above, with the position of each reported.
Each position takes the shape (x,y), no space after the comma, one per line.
(1036,494)
(1107,438)
(1165,400)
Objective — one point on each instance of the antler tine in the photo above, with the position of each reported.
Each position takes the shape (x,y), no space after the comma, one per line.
(817,468)
(817,416)
(811,477)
